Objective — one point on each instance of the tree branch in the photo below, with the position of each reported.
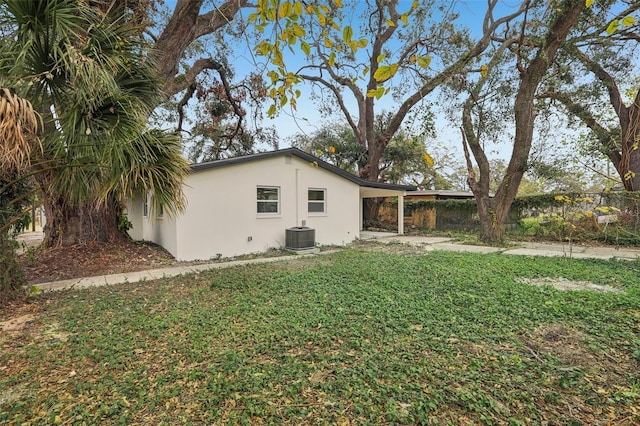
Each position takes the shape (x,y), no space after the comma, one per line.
(338,94)
(183,28)
(490,25)
(608,145)
(609,82)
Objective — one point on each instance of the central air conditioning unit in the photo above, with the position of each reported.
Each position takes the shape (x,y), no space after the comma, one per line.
(300,238)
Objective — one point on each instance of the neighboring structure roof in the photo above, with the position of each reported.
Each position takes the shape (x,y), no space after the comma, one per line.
(444,193)
(306,157)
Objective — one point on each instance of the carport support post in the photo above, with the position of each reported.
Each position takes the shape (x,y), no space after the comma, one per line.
(401,214)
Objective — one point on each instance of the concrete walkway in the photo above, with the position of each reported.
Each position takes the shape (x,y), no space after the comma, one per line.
(522,248)
(424,243)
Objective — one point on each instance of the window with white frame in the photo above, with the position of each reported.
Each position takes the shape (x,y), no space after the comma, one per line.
(268,199)
(317,201)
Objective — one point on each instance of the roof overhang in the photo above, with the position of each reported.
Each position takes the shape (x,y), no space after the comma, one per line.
(366,192)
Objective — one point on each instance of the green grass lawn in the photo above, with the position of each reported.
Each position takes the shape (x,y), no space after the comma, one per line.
(353,337)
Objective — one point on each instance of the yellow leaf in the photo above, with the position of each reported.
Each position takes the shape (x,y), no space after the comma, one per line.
(285,10)
(428,159)
(412,59)
(380,58)
(377,93)
(628,21)
(332,59)
(589,3)
(332,149)
(322,19)
(297,8)
(391,23)
(404,19)
(484,71)
(382,73)
(309,9)
(328,43)
(305,47)
(347,33)
(415,4)
(272,110)
(277,59)
(365,71)
(424,61)
(298,30)
(338,3)
(362,43)
(613,26)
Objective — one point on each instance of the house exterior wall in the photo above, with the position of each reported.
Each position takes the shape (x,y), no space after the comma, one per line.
(160,230)
(134,214)
(221,216)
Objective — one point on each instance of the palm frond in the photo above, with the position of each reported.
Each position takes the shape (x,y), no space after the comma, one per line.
(152,163)
(19,125)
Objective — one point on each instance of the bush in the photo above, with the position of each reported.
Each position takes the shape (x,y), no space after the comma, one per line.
(12,280)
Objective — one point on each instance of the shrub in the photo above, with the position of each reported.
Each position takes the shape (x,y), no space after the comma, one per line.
(12,280)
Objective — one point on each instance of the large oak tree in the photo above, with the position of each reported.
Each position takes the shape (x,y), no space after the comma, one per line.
(530,50)
(358,56)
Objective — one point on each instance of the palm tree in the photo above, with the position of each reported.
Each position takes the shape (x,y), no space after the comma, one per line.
(88,73)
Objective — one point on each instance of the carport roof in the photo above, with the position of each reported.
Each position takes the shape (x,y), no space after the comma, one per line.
(378,189)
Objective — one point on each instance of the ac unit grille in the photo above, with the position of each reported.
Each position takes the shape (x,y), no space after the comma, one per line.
(300,238)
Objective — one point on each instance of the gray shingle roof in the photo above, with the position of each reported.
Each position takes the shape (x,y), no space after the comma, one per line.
(303,156)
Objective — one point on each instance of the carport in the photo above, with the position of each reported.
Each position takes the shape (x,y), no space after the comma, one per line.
(383,190)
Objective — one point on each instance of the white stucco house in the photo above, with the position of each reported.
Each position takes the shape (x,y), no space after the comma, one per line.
(246,204)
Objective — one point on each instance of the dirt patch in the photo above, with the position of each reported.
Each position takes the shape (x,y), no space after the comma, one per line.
(43,265)
(389,247)
(566,344)
(564,284)
(17,323)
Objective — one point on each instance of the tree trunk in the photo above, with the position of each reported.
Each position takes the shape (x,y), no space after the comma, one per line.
(629,167)
(371,172)
(71,225)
